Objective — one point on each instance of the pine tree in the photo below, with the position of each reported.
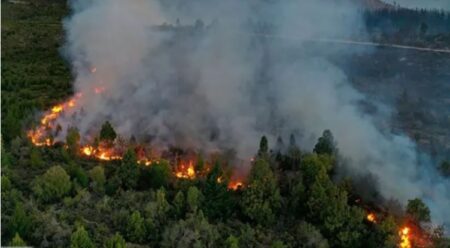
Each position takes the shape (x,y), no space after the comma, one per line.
(80,239)
(128,171)
(17,241)
(107,132)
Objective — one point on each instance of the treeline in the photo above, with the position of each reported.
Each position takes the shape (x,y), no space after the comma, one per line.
(430,28)
(52,197)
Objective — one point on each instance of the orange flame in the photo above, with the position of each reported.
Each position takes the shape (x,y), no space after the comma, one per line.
(87,150)
(235,185)
(405,238)
(372,217)
(39,136)
(186,170)
(101,153)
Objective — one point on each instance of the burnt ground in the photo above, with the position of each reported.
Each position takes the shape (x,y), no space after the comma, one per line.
(416,83)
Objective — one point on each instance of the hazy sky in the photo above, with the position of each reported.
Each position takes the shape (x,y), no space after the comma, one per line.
(430,4)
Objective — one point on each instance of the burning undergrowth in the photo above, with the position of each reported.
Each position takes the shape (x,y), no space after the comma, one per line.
(185,164)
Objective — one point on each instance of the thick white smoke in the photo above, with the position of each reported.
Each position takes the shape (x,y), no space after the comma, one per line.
(219,86)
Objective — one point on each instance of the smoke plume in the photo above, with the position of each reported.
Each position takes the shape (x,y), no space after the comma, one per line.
(170,79)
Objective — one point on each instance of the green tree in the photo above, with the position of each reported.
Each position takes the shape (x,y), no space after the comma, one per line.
(263,151)
(160,174)
(218,202)
(195,231)
(135,229)
(418,210)
(78,174)
(128,171)
(162,205)
(107,132)
(308,236)
(11,124)
(178,204)
(97,175)
(326,144)
(423,28)
(232,242)
(261,199)
(445,168)
(20,222)
(36,160)
(6,184)
(116,241)
(294,154)
(200,165)
(52,185)
(193,198)
(328,208)
(17,241)
(388,231)
(80,239)
(297,197)
(73,140)
(313,165)
(278,244)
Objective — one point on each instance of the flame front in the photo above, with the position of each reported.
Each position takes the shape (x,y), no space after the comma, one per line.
(101,153)
(42,136)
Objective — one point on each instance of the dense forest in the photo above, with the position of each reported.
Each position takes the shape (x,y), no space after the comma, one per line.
(290,197)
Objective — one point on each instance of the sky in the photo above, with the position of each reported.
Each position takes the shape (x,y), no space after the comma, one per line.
(428,4)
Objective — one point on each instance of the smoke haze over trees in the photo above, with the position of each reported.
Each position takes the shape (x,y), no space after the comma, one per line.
(216,87)
(208,80)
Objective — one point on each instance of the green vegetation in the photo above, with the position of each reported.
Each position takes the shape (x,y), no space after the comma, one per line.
(107,133)
(418,210)
(34,76)
(53,185)
(80,239)
(17,241)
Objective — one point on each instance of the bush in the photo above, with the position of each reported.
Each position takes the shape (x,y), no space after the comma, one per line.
(52,185)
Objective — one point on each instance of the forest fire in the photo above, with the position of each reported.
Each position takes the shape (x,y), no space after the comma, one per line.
(405,238)
(41,136)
